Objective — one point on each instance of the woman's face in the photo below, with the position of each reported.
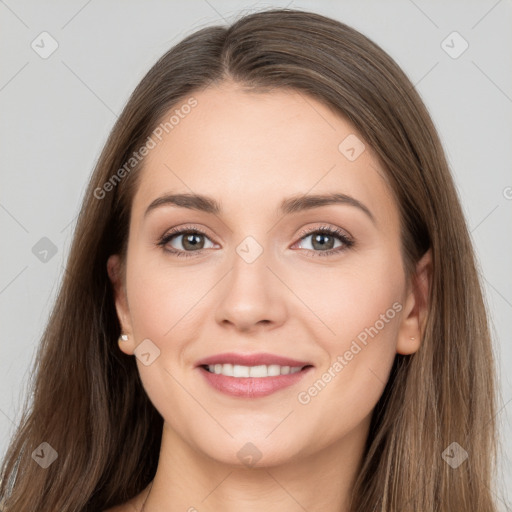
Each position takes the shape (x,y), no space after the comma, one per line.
(270,332)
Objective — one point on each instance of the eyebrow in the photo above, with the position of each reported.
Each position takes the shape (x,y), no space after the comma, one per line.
(288,206)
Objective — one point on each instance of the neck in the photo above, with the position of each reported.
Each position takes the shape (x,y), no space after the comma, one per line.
(187,480)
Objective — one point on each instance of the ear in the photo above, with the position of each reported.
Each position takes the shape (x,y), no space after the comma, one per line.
(414,315)
(115,273)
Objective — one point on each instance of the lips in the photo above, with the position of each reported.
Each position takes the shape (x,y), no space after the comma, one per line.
(251,375)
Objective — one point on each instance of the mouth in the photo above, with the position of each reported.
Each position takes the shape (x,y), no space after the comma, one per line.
(252,376)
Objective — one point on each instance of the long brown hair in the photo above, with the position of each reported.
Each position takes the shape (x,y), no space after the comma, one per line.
(87,400)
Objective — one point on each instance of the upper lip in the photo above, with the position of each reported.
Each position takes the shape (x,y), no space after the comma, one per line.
(251,360)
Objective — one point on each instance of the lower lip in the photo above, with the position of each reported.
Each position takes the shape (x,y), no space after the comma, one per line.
(252,387)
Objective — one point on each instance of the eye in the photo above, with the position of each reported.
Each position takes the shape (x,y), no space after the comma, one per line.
(326,241)
(181,241)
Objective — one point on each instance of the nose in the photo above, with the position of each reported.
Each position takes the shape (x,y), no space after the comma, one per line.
(251,297)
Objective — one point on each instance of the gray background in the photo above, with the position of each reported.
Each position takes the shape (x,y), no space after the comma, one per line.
(58,111)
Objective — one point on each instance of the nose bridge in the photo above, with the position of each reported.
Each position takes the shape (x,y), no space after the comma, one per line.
(250,295)
(249,250)
(249,275)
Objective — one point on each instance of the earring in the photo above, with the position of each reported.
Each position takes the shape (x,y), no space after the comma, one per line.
(123,337)
(413,339)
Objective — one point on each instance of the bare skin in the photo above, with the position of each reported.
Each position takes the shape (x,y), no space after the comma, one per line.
(249,152)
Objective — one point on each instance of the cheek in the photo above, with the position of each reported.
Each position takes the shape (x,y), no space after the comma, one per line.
(160,299)
(354,300)
(162,310)
(342,394)
(363,307)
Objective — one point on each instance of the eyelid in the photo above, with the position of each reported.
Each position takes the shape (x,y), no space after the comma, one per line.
(186,228)
(326,227)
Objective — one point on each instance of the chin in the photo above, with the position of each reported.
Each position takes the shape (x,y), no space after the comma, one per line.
(250,450)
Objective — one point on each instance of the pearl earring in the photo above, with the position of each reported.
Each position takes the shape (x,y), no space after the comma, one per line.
(123,337)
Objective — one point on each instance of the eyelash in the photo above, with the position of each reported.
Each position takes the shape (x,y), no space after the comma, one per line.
(325,230)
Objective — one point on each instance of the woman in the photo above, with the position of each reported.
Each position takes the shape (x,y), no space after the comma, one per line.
(325,348)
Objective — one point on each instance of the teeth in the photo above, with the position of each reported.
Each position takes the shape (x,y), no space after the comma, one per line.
(239,371)
(258,371)
(273,370)
(236,370)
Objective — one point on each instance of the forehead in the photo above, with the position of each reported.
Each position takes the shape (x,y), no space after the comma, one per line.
(252,149)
